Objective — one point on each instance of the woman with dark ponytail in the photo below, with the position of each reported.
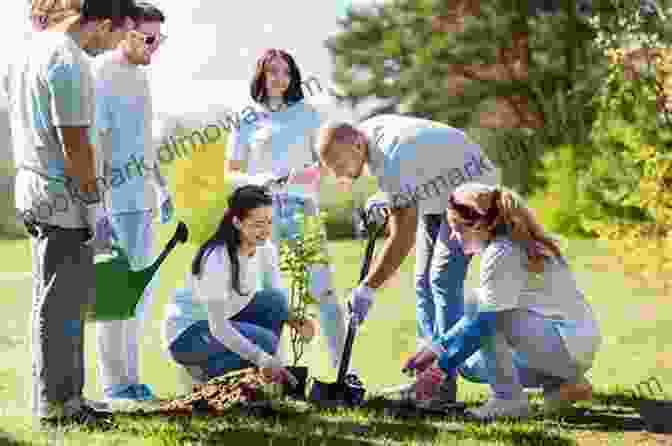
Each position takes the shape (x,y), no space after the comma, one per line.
(231,314)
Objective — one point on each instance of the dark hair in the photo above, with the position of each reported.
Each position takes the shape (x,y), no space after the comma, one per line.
(241,202)
(258,84)
(146,12)
(117,11)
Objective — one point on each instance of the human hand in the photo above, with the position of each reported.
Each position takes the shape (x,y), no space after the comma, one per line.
(305,328)
(428,382)
(93,214)
(278,375)
(377,209)
(103,231)
(360,302)
(274,183)
(167,210)
(166,206)
(86,191)
(419,362)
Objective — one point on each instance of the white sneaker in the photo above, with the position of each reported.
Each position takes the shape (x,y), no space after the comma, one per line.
(496,407)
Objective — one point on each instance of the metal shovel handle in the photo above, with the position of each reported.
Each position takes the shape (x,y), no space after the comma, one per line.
(373,234)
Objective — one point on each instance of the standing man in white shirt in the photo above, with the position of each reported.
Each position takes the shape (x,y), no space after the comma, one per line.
(417,163)
(135,188)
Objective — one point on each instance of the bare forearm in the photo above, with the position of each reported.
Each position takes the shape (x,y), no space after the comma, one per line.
(78,152)
(235,166)
(80,164)
(393,253)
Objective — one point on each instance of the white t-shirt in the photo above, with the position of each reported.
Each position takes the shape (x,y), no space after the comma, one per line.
(211,297)
(276,142)
(420,162)
(506,283)
(49,85)
(124,117)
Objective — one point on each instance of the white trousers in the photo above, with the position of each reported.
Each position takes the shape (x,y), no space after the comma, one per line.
(332,314)
(117,341)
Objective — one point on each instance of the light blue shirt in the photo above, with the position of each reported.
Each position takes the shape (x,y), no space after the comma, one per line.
(418,162)
(124,115)
(275,142)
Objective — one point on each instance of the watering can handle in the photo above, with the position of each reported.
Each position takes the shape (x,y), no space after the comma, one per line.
(181,235)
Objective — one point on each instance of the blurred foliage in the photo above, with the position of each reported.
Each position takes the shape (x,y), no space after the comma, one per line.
(634,133)
(9,226)
(393,51)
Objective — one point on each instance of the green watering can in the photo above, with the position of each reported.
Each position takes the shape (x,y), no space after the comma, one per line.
(118,288)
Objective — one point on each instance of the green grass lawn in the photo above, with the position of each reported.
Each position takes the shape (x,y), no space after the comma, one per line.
(635,322)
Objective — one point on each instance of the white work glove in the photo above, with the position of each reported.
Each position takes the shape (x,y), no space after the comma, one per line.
(95,220)
(361,300)
(262,179)
(377,208)
(165,206)
(273,371)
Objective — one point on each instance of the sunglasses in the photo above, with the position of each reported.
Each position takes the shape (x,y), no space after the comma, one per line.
(151,39)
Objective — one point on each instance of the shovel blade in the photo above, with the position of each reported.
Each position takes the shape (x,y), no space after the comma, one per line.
(330,394)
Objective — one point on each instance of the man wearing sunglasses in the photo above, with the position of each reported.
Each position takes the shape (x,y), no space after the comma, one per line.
(135,188)
(417,163)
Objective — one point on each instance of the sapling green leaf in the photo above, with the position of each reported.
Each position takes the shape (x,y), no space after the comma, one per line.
(297,255)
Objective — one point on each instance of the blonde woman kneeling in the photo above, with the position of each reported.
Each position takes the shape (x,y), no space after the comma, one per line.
(530,327)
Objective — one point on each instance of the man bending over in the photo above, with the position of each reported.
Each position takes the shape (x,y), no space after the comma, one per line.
(417,164)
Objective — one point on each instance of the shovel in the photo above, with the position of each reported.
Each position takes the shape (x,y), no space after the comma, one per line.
(118,288)
(342,392)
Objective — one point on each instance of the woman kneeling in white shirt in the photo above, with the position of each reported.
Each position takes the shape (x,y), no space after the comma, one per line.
(218,323)
(530,325)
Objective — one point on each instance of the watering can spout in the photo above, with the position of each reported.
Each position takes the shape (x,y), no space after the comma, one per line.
(142,278)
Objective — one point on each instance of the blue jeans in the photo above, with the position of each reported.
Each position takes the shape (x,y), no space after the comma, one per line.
(440,270)
(261,322)
(526,351)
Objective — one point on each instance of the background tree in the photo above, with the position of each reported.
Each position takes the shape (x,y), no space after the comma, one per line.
(457,61)
(543,65)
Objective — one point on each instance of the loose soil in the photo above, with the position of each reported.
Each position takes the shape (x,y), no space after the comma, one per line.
(218,395)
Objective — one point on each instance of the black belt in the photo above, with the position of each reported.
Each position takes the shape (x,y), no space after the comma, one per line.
(37,229)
